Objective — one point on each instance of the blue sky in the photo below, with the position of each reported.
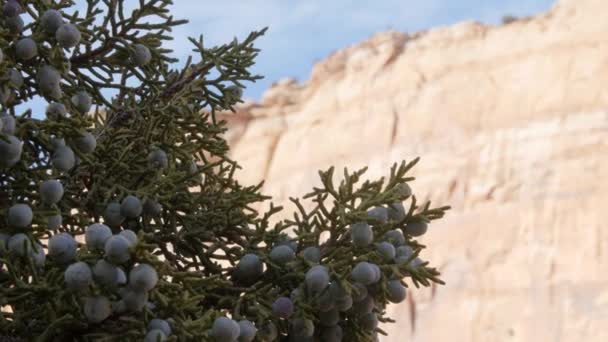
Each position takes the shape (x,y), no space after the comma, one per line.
(305,31)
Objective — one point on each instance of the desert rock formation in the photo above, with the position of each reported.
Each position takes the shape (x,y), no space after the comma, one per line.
(511,123)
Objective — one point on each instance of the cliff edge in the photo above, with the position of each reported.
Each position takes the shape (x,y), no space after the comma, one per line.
(511,123)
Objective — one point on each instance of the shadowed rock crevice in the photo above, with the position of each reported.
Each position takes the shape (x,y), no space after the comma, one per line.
(273,149)
(411,305)
(394,128)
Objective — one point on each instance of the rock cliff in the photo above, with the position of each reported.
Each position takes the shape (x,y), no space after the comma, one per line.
(511,123)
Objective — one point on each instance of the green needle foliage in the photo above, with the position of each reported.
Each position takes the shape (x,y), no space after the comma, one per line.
(120,219)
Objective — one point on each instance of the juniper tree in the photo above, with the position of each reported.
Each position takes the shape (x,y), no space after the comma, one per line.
(121,219)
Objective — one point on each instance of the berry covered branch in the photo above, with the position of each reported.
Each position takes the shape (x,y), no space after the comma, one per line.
(121,219)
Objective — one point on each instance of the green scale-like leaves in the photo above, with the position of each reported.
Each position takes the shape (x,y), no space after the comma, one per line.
(121,219)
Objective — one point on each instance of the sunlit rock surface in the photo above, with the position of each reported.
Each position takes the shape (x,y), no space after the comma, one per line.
(511,123)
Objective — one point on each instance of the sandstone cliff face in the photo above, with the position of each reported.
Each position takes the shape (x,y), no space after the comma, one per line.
(511,123)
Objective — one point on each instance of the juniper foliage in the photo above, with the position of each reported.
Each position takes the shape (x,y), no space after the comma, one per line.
(139,154)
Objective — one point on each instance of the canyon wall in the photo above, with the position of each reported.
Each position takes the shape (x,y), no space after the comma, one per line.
(511,123)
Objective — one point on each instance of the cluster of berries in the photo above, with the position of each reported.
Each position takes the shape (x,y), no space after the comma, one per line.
(361,297)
